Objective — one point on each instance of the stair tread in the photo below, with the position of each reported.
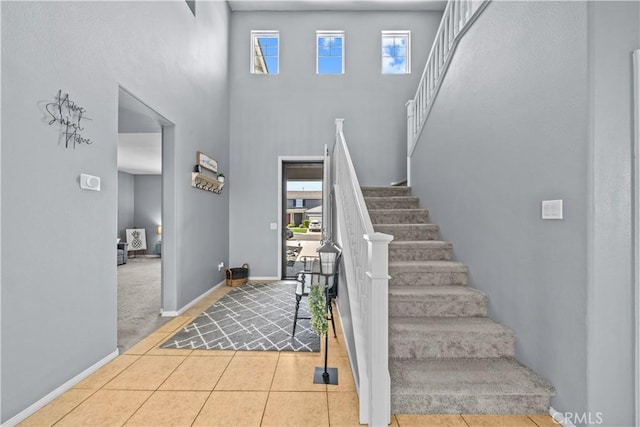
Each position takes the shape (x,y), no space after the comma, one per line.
(408,291)
(426,243)
(421,225)
(417,265)
(400,210)
(489,376)
(474,325)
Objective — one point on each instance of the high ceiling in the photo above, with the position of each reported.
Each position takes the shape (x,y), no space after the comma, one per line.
(343,5)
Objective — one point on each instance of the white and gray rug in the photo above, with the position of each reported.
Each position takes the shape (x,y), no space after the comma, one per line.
(254,316)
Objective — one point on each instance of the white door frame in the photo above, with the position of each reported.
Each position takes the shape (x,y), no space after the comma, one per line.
(281,161)
(636,224)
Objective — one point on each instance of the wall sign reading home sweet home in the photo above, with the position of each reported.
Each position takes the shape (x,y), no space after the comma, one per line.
(71,118)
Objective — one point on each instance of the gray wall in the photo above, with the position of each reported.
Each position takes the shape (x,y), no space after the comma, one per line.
(537,106)
(174,62)
(125,203)
(293,113)
(508,130)
(148,207)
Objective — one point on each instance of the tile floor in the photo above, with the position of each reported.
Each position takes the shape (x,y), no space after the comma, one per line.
(149,386)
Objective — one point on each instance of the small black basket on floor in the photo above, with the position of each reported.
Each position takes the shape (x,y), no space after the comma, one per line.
(238,276)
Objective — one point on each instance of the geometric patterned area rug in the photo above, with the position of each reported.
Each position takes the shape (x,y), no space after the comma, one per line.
(254,316)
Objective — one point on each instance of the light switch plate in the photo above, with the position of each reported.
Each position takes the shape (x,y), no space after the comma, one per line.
(274,225)
(552,209)
(89,182)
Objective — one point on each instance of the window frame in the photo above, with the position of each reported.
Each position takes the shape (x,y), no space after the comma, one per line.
(330,33)
(255,34)
(396,33)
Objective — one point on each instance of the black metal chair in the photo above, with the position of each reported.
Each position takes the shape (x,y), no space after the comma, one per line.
(304,281)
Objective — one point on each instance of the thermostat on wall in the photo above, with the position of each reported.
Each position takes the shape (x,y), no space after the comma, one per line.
(552,209)
(89,182)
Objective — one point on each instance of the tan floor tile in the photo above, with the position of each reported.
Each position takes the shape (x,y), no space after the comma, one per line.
(430,421)
(174,324)
(248,373)
(148,343)
(345,378)
(169,408)
(498,421)
(394,421)
(147,373)
(107,372)
(543,421)
(246,353)
(57,409)
(157,351)
(106,408)
(197,373)
(315,354)
(336,346)
(232,409)
(296,409)
(213,353)
(296,374)
(344,409)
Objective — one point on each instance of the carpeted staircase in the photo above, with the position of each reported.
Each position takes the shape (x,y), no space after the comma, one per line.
(445,355)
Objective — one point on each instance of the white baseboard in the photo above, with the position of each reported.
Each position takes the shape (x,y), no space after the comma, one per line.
(60,390)
(559,418)
(263,278)
(192,303)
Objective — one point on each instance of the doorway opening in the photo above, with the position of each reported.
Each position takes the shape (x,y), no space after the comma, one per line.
(140,226)
(302,226)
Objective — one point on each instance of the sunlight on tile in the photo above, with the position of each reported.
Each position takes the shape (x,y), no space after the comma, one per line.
(57,409)
(296,409)
(232,408)
(176,323)
(106,408)
(169,408)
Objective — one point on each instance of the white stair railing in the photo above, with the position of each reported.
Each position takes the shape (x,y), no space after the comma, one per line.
(456,20)
(365,255)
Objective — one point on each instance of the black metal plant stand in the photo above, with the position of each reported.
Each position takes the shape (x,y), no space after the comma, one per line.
(326,375)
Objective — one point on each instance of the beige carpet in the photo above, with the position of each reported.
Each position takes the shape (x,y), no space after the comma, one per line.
(139,286)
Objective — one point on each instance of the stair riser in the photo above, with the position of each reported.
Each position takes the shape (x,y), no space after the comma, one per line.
(428,345)
(428,278)
(468,404)
(399,217)
(412,253)
(404,233)
(386,191)
(392,203)
(439,307)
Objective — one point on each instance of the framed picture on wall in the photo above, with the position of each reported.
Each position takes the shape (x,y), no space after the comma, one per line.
(137,239)
(207,162)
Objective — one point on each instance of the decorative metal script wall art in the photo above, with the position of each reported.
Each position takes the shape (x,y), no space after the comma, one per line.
(71,118)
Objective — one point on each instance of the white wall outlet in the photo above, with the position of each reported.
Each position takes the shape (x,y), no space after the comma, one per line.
(89,182)
(220,266)
(552,209)
(274,225)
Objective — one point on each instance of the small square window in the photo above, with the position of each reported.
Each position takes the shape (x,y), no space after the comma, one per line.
(265,50)
(330,52)
(396,52)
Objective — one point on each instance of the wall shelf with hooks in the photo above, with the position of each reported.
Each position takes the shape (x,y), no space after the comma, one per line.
(206,182)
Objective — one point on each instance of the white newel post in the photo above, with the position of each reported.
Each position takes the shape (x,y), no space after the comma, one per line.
(339,127)
(410,126)
(378,348)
